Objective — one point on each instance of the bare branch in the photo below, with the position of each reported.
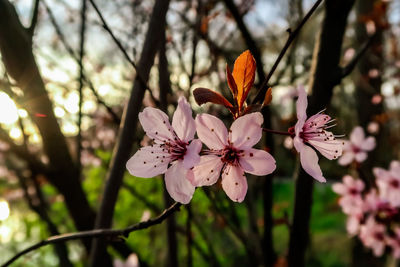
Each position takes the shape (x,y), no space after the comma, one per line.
(292,35)
(35,15)
(111,233)
(346,70)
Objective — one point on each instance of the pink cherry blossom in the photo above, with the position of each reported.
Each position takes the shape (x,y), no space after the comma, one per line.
(350,190)
(357,148)
(231,154)
(312,132)
(388,182)
(372,235)
(173,146)
(353,224)
(394,243)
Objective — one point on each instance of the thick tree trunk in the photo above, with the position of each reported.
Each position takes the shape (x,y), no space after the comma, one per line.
(16,51)
(324,76)
(128,129)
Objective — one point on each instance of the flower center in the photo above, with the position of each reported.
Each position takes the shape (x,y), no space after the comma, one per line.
(353,191)
(177,148)
(231,155)
(395,183)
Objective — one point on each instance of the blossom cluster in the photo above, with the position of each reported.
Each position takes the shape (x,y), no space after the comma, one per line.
(373,215)
(190,162)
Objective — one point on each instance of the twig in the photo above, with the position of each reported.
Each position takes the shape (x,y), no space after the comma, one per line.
(346,70)
(80,89)
(98,233)
(71,52)
(120,46)
(35,15)
(292,36)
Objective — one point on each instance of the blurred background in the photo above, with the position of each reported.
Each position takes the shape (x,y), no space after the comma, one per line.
(66,77)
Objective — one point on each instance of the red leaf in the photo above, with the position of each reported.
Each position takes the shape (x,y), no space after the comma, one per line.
(231,82)
(204,95)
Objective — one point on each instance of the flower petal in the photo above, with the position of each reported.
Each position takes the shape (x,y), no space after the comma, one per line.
(148,162)
(246,131)
(211,131)
(361,156)
(192,156)
(207,171)
(178,185)
(156,124)
(301,104)
(395,168)
(257,162)
(368,144)
(309,162)
(234,183)
(339,188)
(298,143)
(357,136)
(183,122)
(346,158)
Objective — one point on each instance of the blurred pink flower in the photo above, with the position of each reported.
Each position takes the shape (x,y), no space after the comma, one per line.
(373,236)
(389,183)
(373,127)
(313,132)
(376,99)
(357,148)
(353,224)
(350,190)
(394,243)
(231,154)
(172,147)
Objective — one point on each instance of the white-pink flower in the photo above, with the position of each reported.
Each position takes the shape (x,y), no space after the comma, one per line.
(357,148)
(312,132)
(351,200)
(173,146)
(388,182)
(231,154)
(373,235)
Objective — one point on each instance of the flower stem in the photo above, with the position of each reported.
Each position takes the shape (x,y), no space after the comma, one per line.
(276,132)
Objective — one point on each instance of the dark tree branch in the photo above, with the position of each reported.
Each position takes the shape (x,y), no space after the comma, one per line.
(128,126)
(325,63)
(72,53)
(346,70)
(139,75)
(35,15)
(16,51)
(292,35)
(80,89)
(112,234)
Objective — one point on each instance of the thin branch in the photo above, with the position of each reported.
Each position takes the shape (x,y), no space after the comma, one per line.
(292,36)
(346,70)
(111,233)
(72,53)
(35,15)
(80,89)
(120,46)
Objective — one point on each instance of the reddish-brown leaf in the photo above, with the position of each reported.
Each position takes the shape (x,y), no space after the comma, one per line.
(204,95)
(231,82)
(244,74)
(268,97)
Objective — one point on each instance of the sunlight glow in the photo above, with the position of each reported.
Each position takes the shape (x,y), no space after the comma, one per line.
(59,112)
(4,210)
(22,113)
(8,110)
(15,133)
